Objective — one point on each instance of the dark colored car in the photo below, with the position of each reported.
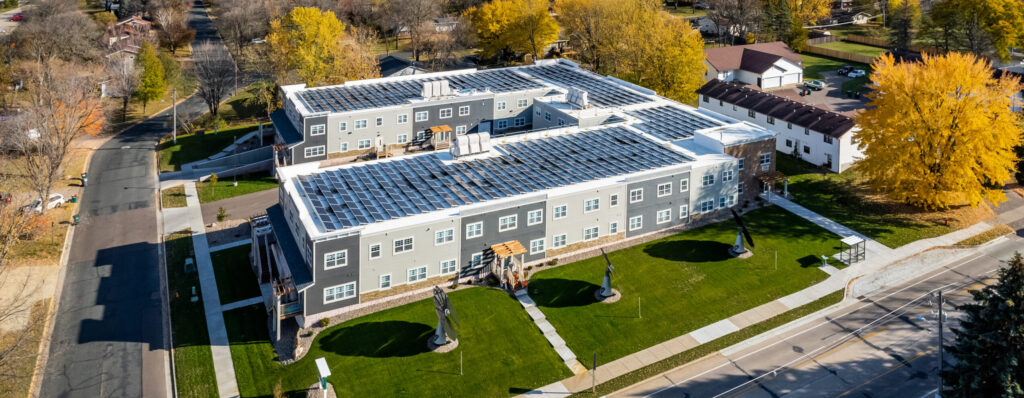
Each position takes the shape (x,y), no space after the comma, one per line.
(845,69)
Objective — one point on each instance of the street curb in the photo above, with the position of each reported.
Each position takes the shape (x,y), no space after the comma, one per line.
(171,374)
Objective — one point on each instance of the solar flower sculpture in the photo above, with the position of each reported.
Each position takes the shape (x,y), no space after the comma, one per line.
(606,285)
(446,319)
(737,249)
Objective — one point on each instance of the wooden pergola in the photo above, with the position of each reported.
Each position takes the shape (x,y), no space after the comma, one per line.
(507,267)
(441,136)
(774,177)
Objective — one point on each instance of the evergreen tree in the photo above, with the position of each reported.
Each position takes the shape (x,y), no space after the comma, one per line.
(778,20)
(151,84)
(989,346)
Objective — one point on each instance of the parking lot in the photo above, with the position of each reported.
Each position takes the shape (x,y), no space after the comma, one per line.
(832,97)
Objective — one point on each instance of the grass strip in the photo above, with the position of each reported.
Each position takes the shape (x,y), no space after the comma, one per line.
(986,236)
(173,197)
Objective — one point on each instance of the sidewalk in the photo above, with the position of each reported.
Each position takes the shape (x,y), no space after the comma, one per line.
(878,256)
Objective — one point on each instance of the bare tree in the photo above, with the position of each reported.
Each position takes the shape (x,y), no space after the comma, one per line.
(174,32)
(243,20)
(440,48)
(415,13)
(215,72)
(124,78)
(735,18)
(55,29)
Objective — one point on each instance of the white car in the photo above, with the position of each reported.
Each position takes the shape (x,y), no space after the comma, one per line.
(857,73)
(55,200)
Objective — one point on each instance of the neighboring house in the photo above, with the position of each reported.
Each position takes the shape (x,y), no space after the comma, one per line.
(763,65)
(128,33)
(446,24)
(860,18)
(842,5)
(394,66)
(596,161)
(815,135)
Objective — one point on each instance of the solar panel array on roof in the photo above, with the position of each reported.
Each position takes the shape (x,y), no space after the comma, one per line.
(390,93)
(602,93)
(671,122)
(348,197)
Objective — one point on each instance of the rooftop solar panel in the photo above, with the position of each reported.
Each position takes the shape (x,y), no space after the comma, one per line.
(601,92)
(671,122)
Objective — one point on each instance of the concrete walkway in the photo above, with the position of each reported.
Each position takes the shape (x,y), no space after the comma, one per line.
(226,246)
(241,303)
(550,333)
(227,386)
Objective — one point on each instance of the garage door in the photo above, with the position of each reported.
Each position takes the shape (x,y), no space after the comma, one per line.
(772,82)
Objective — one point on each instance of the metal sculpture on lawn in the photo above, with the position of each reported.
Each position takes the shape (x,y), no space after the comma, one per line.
(606,284)
(737,249)
(446,319)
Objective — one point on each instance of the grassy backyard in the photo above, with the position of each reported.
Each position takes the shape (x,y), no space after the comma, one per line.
(684,282)
(193,147)
(848,199)
(855,48)
(235,279)
(385,354)
(225,188)
(193,360)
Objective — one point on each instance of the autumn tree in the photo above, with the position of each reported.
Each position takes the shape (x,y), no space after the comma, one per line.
(987,349)
(940,132)
(506,28)
(585,23)
(152,83)
(263,96)
(810,11)
(316,46)
(976,26)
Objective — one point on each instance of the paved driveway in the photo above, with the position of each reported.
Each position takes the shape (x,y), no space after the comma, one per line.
(831,98)
(6,25)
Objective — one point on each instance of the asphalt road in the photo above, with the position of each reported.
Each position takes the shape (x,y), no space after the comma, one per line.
(108,338)
(884,346)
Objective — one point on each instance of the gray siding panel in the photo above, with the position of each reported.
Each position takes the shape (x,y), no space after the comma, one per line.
(491,236)
(335,276)
(651,204)
(299,151)
(479,110)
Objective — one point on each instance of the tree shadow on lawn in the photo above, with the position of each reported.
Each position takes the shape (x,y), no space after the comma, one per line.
(694,251)
(558,293)
(378,339)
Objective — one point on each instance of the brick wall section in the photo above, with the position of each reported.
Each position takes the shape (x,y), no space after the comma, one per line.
(750,153)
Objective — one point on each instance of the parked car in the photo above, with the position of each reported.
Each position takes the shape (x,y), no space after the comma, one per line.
(816,85)
(844,70)
(17,18)
(857,73)
(55,200)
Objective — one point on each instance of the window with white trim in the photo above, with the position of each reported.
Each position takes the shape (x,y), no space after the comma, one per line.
(613,228)
(558,241)
(476,260)
(417,274)
(537,246)
(460,129)
(684,185)
(448,266)
(561,122)
(559,211)
(613,200)
(385,281)
(727,175)
(636,195)
(422,116)
(766,160)
(707,205)
(535,217)
(336,259)
(750,113)
(739,187)
(502,124)
(664,216)
(363,144)
(445,113)
(740,163)
(361,124)
(403,245)
(444,236)
(402,119)
(340,292)
(547,116)
(501,105)
(464,110)
(828,138)
(664,189)
(313,151)
(522,103)
(379,121)
(708,179)
(342,126)
(344,146)
(684,211)
(375,250)
(636,223)
(590,234)
(721,202)
(520,121)
(318,129)
(590,205)
(403,138)
(474,230)
(507,223)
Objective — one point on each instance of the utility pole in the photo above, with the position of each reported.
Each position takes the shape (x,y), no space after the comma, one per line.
(174,119)
(940,342)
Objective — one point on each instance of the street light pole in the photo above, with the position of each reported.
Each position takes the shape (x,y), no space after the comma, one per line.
(940,343)
(174,120)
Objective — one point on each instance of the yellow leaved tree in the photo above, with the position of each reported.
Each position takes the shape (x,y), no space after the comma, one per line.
(318,48)
(508,27)
(940,132)
(810,11)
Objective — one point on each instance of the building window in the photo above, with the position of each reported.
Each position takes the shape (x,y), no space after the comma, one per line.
(558,241)
(591,205)
(636,195)
(474,230)
(664,189)
(536,246)
(403,138)
(740,163)
(447,266)
(727,175)
(730,200)
(789,143)
(420,135)
(789,125)
(547,116)
(807,149)
(501,105)
(771,120)
(708,179)
(828,138)
(476,260)
(535,217)
(720,104)
(766,160)
(707,205)
(807,131)
(739,187)
(559,211)
(339,292)
(750,113)
(444,236)
(684,211)
(385,281)
(335,259)
(319,129)
(664,216)
(707,99)
(460,129)
(464,110)
(375,250)
(363,144)
(403,119)
(521,103)
(314,151)
(636,223)
(403,245)
(721,202)
(684,185)
(421,116)
(613,228)
(507,223)
(342,126)
(502,124)
(561,122)
(446,113)
(361,124)
(344,146)
(417,274)
(734,107)
(613,200)
(380,121)
(520,121)
(590,234)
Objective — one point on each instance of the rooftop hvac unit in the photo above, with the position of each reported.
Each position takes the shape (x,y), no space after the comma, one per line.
(471,144)
(436,88)
(578,98)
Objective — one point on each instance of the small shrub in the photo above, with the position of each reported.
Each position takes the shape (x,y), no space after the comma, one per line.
(222,214)
(553,262)
(324,322)
(529,268)
(492,280)
(455,285)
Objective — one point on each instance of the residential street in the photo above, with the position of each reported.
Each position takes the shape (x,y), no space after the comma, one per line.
(109,335)
(885,345)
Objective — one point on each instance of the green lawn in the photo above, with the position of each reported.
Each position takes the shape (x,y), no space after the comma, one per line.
(815,65)
(235,279)
(191,147)
(855,48)
(847,199)
(385,354)
(173,197)
(225,188)
(236,110)
(684,10)
(193,361)
(684,282)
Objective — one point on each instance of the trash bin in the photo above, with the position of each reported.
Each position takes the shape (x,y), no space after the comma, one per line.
(74,198)
(75,219)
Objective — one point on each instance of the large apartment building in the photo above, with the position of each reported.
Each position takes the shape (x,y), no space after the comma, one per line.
(596,161)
